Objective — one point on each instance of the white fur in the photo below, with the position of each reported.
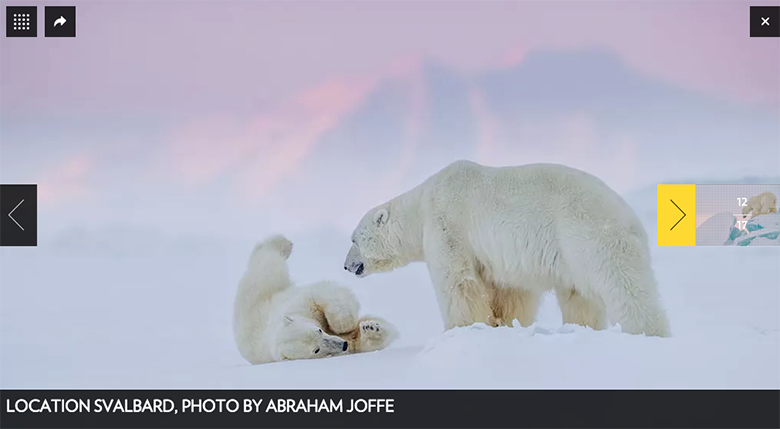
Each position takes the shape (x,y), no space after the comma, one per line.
(761,204)
(273,320)
(496,239)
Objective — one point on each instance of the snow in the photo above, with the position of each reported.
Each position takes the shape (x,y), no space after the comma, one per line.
(722,230)
(128,308)
(716,230)
(770,221)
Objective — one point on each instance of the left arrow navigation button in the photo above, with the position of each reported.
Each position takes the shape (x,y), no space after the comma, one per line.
(12,212)
(19,220)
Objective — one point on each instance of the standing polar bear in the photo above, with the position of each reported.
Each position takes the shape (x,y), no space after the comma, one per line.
(274,321)
(761,204)
(496,239)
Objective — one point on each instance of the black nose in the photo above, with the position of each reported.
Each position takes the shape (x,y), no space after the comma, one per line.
(344,346)
(359,269)
(346,268)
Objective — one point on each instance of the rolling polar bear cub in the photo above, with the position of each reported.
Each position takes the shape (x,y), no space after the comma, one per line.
(274,320)
(496,239)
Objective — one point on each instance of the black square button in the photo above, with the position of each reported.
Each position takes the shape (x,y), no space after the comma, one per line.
(764,21)
(60,21)
(18,215)
(21,21)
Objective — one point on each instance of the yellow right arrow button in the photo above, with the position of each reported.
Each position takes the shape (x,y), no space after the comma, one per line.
(676,215)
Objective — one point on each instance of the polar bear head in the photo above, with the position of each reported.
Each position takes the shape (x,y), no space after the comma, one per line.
(301,338)
(377,244)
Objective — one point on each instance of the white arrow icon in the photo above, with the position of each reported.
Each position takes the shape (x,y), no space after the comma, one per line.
(60,20)
(9,214)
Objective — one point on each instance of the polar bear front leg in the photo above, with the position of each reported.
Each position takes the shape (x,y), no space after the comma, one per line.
(463,297)
(463,301)
(511,304)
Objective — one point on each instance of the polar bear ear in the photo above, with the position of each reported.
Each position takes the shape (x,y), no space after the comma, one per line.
(287,320)
(380,217)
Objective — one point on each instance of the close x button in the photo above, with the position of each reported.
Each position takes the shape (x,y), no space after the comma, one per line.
(18,215)
(764,21)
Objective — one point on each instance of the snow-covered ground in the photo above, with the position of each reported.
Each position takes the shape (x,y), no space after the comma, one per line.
(136,309)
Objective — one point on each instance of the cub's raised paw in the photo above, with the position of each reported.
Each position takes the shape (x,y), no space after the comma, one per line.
(279,243)
(375,333)
(371,328)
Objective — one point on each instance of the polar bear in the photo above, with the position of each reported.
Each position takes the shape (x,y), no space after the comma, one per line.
(495,239)
(763,203)
(274,320)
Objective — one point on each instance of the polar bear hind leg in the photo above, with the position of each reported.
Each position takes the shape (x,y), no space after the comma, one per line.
(617,269)
(338,305)
(580,310)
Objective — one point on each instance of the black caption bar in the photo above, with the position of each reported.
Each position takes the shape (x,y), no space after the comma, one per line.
(389,409)
(764,21)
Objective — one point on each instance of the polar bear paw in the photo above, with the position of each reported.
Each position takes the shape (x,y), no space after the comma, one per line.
(375,334)
(371,328)
(280,244)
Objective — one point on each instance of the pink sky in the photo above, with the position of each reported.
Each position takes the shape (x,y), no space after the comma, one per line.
(271,77)
(251,54)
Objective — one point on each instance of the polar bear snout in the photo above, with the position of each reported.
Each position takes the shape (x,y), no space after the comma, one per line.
(356,268)
(354,263)
(334,344)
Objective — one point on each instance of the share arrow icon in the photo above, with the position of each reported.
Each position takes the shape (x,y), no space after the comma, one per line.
(60,21)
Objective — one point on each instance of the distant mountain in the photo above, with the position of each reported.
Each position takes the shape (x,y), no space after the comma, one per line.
(581,107)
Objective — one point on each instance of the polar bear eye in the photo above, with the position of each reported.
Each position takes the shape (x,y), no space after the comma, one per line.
(320,331)
(316,351)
